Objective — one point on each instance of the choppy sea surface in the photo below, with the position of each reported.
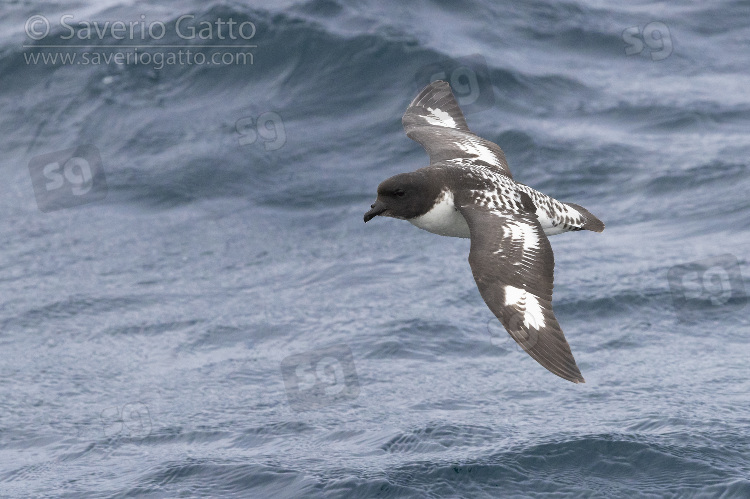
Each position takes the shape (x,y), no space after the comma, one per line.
(191,305)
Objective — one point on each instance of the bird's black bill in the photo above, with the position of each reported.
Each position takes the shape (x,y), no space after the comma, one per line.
(377,209)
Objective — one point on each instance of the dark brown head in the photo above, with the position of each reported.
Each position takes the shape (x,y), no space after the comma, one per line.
(404,196)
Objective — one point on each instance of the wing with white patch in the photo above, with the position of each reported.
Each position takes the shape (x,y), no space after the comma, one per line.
(513,265)
(435,121)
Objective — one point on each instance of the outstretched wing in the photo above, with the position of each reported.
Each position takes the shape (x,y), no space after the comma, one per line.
(513,265)
(435,121)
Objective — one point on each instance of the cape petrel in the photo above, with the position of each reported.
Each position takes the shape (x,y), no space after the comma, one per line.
(468,191)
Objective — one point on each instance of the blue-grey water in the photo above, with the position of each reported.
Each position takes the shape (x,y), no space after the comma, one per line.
(191,305)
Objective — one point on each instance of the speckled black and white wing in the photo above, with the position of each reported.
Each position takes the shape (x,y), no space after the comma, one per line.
(513,266)
(435,121)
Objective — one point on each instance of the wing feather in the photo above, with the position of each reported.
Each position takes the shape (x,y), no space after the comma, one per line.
(434,120)
(513,266)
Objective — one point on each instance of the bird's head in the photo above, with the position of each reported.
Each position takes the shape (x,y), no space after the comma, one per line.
(404,196)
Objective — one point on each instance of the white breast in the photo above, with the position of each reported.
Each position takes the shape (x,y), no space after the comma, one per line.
(443,219)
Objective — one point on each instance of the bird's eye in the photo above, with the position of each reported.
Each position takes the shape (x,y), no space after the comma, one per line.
(399,192)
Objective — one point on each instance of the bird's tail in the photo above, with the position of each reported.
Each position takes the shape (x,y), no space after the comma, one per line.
(591,222)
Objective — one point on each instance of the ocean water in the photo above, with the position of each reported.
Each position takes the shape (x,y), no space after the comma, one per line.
(191,305)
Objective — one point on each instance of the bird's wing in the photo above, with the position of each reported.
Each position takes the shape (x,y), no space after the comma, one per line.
(513,265)
(435,121)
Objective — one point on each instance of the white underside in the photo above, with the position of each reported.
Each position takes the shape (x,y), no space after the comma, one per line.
(443,219)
